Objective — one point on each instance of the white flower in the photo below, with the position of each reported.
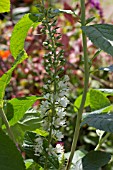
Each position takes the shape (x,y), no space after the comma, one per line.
(59,135)
(60,112)
(58,122)
(59,148)
(39,146)
(64,101)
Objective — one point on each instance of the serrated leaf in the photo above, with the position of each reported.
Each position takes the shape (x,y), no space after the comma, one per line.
(100,121)
(4,6)
(109,69)
(29,142)
(93,161)
(101,35)
(20,32)
(5,79)
(18,107)
(78,102)
(10,157)
(98,100)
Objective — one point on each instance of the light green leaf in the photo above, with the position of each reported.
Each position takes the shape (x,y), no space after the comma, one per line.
(78,102)
(18,107)
(98,100)
(10,157)
(5,79)
(41,132)
(4,6)
(93,161)
(100,121)
(20,32)
(101,35)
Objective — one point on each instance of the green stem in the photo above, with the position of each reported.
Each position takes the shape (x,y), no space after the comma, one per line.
(86,80)
(101,141)
(4,118)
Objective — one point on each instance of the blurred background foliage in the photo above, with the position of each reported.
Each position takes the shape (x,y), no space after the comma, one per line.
(28,78)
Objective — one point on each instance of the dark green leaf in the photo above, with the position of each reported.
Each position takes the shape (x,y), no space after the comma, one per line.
(4,6)
(93,161)
(10,157)
(101,35)
(98,100)
(100,121)
(109,69)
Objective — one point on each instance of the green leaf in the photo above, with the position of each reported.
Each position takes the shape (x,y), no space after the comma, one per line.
(31,165)
(20,32)
(10,157)
(77,155)
(98,100)
(5,79)
(41,132)
(78,102)
(100,111)
(29,142)
(93,161)
(18,107)
(100,121)
(109,69)
(101,35)
(4,6)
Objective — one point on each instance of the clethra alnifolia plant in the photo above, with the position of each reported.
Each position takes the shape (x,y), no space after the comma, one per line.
(35,136)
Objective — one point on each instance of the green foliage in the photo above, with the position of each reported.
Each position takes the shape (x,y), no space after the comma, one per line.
(4,6)
(20,32)
(10,157)
(18,107)
(98,100)
(101,35)
(29,142)
(5,79)
(100,121)
(93,161)
(78,102)
(31,165)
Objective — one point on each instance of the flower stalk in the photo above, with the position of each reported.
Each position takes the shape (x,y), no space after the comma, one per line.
(86,80)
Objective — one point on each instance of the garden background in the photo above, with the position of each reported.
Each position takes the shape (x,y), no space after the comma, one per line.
(28,77)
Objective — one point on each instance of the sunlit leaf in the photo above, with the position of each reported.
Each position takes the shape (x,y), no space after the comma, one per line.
(18,107)
(20,32)
(98,100)
(4,6)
